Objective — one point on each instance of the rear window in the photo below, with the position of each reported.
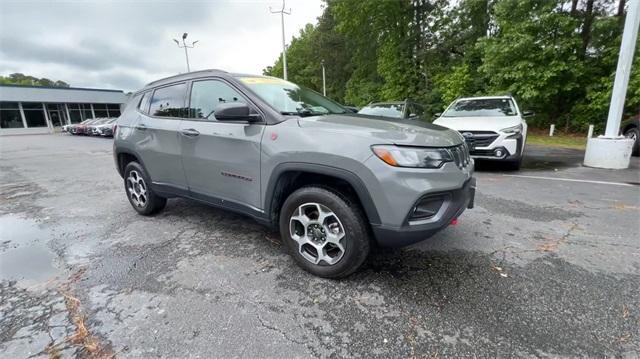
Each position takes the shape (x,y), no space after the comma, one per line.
(169,101)
(482,108)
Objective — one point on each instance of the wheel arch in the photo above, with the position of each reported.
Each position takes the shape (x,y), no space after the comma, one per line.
(287,177)
(124,157)
(629,126)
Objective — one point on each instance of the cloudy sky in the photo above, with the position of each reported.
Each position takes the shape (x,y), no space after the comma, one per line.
(125,44)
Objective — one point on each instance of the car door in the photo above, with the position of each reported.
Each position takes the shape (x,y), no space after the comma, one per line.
(221,159)
(156,134)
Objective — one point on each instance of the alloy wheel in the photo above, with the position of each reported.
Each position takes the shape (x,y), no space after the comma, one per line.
(137,189)
(318,232)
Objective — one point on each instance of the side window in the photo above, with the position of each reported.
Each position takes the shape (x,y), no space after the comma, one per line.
(143,105)
(207,95)
(168,101)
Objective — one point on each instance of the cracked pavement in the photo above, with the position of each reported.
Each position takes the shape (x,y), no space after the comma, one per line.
(540,268)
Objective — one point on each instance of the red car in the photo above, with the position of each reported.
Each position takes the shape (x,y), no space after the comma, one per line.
(81,128)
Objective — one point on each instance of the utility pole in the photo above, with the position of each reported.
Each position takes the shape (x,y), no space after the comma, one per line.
(611,150)
(623,71)
(324,80)
(185,47)
(282,12)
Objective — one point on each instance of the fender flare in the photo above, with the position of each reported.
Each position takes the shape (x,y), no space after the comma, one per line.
(351,178)
(119,152)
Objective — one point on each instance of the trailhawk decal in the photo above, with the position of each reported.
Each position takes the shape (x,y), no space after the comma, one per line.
(233,175)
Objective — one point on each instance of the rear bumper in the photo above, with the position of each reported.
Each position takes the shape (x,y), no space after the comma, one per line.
(457,201)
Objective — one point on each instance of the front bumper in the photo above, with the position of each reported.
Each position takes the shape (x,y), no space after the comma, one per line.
(502,149)
(456,202)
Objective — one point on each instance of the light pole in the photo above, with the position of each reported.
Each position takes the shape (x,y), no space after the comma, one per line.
(611,150)
(185,47)
(282,12)
(324,80)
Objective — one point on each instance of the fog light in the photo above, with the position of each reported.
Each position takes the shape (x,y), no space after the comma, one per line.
(427,207)
(498,152)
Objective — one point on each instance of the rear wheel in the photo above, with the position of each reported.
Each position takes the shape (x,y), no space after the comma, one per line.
(140,195)
(634,134)
(325,232)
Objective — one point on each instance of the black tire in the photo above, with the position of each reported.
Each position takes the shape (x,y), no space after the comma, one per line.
(152,203)
(634,132)
(514,165)
(356,234)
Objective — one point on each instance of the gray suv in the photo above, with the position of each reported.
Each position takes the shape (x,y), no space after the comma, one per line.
(333,182)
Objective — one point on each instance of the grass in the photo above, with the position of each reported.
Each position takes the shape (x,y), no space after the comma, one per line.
(558,140)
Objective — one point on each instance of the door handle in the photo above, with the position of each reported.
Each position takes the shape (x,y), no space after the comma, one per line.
(190,132)
(141,127)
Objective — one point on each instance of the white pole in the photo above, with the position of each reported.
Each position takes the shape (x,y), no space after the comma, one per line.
(627,48)
(324,82)
(186,55)
(283,12)
(551,130)
(590,133)
(284,46)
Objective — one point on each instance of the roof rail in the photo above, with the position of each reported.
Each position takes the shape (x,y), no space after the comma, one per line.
(184,74)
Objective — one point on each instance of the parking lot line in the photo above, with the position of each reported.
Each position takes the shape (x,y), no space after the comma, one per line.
(575,180)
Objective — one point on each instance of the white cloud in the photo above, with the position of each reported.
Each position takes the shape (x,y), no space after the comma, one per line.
(124,44)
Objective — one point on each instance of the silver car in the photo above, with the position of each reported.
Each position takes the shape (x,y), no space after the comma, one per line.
(334,183)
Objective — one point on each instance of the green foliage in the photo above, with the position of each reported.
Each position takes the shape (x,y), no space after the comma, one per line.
(540,66)
(558,61)
(21,79)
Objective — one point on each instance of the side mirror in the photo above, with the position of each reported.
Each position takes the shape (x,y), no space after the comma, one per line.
(527,113)
(235,111)
(437,115)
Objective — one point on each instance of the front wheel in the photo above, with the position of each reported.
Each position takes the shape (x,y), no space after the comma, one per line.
(634,134)
(140,195)
(514,165)
(325,232)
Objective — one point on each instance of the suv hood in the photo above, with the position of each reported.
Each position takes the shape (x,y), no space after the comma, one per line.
(384,131)
(478,123)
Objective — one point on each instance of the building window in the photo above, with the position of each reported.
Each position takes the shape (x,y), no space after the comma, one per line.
(10,115)
(75,113)
(34,114)
(100,110)
(113,109)
(86,111)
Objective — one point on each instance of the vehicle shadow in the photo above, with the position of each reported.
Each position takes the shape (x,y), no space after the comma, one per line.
(537,158)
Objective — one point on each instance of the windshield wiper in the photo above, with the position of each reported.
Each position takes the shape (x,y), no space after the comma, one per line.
(301,113)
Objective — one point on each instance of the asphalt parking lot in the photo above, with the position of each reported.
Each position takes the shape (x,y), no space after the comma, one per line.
(546,265)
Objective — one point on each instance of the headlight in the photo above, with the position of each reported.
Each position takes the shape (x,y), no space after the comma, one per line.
(512,129)
(416,157)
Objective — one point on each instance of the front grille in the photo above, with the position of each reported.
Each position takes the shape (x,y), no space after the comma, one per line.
(460,155)
(479,138)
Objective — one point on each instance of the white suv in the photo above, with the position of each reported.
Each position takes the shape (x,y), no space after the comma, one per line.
(493,126)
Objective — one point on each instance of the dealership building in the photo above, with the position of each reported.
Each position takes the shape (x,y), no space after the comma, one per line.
(35,109)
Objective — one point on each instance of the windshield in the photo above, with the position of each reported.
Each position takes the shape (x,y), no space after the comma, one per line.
(394,110)
(289,98)
(482,107)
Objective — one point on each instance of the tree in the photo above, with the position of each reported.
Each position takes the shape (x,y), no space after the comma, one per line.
(21,79)
(308,49)
(557,56)
(535,56)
